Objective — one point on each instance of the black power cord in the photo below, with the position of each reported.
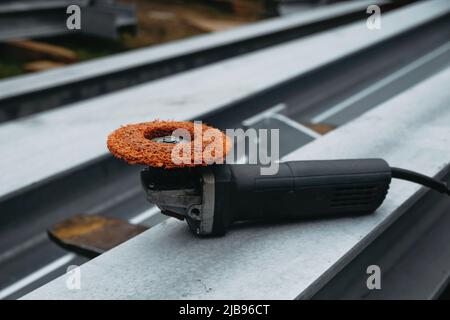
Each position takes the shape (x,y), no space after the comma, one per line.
(419,178)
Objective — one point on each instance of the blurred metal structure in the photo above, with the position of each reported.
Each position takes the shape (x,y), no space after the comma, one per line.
(391,83)
(294,260)
(43,18)
(28,94)
(212,93)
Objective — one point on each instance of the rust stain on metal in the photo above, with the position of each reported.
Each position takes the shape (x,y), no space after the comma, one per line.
(91,235)
(321,128)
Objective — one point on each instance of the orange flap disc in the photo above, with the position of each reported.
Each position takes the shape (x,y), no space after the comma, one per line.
(153,143)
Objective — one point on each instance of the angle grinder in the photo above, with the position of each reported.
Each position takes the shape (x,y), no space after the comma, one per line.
(213,197)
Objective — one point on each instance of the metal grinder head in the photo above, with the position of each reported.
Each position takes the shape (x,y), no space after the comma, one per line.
(183,193)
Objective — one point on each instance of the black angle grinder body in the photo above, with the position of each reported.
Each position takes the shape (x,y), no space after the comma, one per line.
(212,198)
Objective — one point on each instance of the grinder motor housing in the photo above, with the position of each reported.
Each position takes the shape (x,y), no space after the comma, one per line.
(212,198)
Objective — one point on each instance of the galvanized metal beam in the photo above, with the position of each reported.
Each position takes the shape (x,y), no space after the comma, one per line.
(286,260)
(413,255)
(70,139)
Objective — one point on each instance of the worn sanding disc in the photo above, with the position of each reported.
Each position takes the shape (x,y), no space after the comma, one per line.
(152,143)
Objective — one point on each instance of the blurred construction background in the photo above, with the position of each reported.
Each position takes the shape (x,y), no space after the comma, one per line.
(313,69)
(46,44)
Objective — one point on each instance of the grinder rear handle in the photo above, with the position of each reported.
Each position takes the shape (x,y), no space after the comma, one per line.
(300,189)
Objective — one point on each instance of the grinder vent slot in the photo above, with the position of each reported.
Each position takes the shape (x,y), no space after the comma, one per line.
(354,196)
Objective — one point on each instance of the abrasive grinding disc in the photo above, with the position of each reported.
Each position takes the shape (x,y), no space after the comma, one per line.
(153,143)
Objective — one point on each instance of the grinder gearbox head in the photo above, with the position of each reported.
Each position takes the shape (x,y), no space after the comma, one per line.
(186,194)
